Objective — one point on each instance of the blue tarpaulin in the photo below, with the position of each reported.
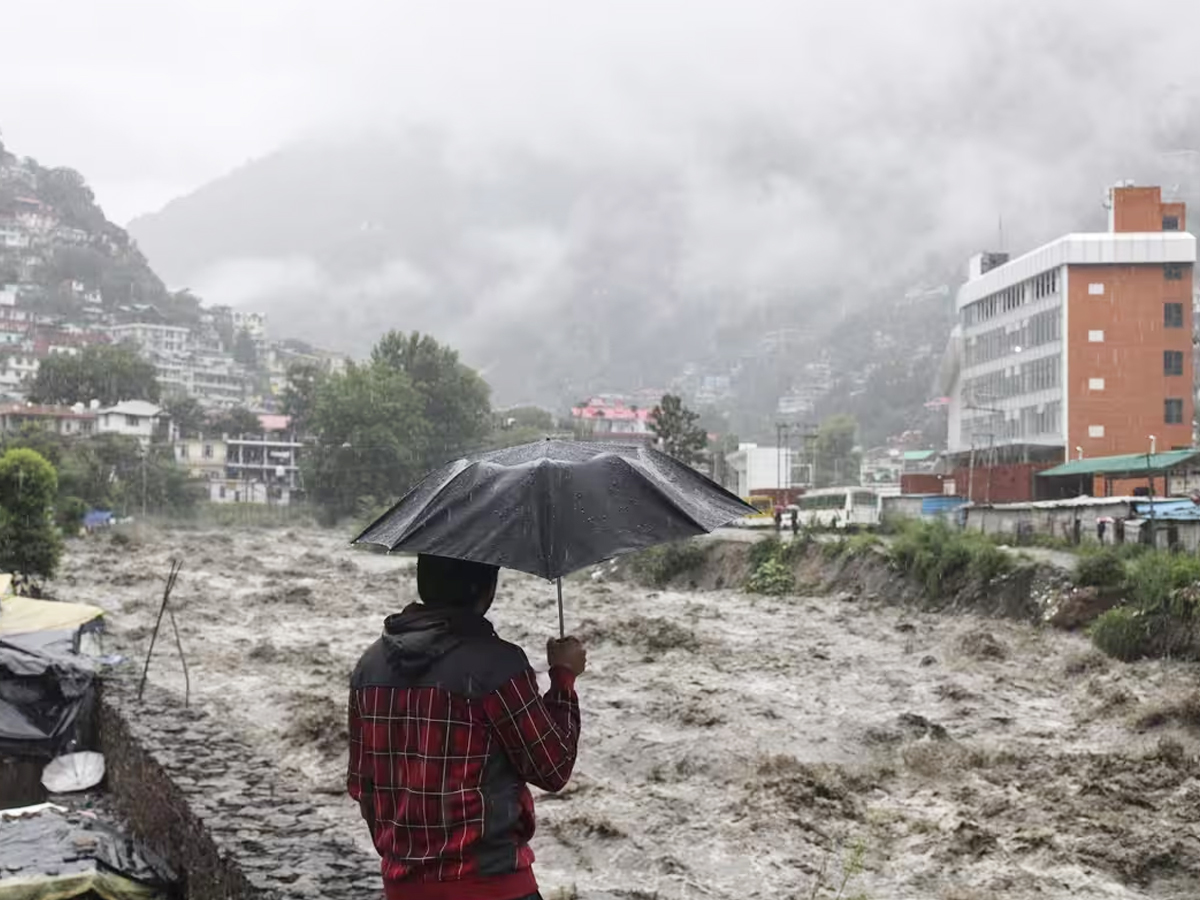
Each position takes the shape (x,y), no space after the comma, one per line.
(97,518)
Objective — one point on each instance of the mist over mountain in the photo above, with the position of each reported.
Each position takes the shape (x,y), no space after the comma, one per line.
(600,260)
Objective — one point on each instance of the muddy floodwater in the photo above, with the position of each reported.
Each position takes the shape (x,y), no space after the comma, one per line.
(733,746)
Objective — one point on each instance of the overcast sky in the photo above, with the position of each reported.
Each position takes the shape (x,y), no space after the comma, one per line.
(151,98)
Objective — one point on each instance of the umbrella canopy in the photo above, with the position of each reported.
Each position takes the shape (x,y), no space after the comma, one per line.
(552,507)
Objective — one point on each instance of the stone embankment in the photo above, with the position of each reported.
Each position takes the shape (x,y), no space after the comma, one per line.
(200,797)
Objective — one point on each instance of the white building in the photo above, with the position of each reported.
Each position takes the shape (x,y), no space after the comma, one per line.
(17,371)
(13,236)
(254,323)
(760,468)
(212,378)
(1080,345)
(132,418)
(152,337)
(261,468)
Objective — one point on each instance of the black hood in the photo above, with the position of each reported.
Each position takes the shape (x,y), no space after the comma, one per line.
(420,635)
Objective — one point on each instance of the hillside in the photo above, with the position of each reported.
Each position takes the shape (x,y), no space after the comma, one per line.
(61,257)
(556,275)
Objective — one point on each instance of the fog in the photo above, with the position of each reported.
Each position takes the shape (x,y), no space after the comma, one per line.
(696,167)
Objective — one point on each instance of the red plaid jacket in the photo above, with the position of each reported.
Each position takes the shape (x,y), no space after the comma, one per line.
(446,730)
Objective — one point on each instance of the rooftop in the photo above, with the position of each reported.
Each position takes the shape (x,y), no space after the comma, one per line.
(1127,464)
(134,408)
(1096,248)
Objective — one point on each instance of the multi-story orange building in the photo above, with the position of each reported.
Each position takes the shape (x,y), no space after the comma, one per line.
(1082,346)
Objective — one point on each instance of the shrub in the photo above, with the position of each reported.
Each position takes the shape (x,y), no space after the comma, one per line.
(1102,569)
(763,551)
(934,554)
(30,544)
(69,513)
(772,577)
(988,562)
(1121,633)
(663,564)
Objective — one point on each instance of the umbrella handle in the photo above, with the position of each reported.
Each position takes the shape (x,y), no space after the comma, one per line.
(562,629)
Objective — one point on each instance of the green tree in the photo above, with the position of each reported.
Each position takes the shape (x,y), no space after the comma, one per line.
(236,422)
(678,434)
(244,350)
(29,541)
(188,416)
(371,438)
(837,460)
(454,399)
(105,372)
(300,395)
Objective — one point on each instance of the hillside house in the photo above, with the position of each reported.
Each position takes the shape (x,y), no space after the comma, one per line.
(132,418)
(64,420)
(202,457)
(608,418)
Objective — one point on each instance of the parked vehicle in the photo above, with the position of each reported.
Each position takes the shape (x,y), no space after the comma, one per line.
(764,518)
(840,507)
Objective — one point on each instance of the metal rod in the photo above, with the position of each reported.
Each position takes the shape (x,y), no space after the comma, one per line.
(175,567)
(187,682)
(562,627)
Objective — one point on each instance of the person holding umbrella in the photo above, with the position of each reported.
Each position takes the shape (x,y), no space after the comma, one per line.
(447,730)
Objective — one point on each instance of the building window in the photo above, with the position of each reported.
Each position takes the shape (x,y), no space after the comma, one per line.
(208,451)
(1173,411)
(1095,431)
(1170,223)
(183,451)
(1096,337)
(1095,384)
(132,421)
(1172,315)
(1172,362)
(1096,289)
(1173,271)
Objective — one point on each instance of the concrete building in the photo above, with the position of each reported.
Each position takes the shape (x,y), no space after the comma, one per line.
(132,418)
(64,420)
(212,378)
(201,457)
(149,336)
(754,469)
(264,467)
(18,369)
(1080,346)
(610,418)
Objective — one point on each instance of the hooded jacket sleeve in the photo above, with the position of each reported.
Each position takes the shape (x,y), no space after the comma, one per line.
(539,734)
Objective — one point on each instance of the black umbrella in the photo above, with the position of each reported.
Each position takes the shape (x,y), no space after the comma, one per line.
(553,507)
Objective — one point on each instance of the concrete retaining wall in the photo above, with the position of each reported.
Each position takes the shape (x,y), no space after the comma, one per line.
(196,794)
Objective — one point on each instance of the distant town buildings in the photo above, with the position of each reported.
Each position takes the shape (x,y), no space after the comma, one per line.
(1081,347)
(609,417)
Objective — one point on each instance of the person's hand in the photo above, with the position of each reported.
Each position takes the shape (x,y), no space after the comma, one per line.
(567,652)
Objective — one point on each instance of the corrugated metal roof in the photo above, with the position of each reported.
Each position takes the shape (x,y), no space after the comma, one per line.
(918,455)
(1129,464)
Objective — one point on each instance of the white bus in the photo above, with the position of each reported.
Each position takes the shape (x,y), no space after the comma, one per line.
(840,507)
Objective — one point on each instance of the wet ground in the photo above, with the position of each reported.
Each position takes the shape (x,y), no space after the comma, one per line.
(733,746)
